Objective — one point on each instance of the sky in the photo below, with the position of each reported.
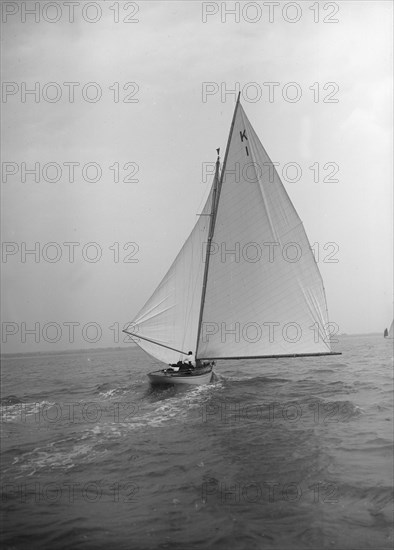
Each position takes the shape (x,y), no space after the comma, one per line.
(131,101)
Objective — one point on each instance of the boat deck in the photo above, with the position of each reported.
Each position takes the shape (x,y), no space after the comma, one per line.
(197,371)
(198,375)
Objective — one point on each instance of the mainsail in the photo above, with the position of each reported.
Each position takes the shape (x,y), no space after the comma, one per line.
(256,291)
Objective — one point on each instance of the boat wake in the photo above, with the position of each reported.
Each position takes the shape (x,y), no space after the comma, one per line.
(15,410)
(60,455)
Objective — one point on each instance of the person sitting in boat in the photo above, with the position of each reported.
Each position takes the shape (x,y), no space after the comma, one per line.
(190,360)
(175,366)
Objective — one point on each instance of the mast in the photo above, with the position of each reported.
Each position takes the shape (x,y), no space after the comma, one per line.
(215,201)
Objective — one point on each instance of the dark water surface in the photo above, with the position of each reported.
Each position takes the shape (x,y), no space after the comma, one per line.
(293,453)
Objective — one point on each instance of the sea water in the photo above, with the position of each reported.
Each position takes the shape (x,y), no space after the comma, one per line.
(284,453)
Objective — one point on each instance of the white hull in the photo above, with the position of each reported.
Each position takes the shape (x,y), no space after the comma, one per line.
(160,377)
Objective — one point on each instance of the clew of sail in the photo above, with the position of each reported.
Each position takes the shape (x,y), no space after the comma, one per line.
(264,293)
(170,316)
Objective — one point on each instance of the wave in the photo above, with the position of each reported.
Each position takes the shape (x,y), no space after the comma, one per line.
(322,371)
(10,400)
(374,499)
(246,380)
(62,454)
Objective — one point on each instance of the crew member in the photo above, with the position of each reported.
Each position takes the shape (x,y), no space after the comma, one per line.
(190,359)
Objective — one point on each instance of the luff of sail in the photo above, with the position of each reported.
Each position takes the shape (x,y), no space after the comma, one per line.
(264,294)
(391,331)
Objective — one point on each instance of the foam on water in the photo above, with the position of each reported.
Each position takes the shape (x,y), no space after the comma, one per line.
(19,411)
(62,455)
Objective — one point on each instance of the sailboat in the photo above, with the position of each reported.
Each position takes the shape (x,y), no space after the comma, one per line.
(390,332)
(245,285)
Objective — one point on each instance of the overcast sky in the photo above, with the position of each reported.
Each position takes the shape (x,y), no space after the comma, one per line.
(164,126)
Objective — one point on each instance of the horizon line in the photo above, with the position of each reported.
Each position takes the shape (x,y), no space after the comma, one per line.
(126,347)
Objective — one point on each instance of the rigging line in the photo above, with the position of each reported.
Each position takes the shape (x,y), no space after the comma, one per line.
(153,341)
(208,251)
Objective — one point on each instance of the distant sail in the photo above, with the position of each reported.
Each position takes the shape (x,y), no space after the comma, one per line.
(256,305)
(385,333)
